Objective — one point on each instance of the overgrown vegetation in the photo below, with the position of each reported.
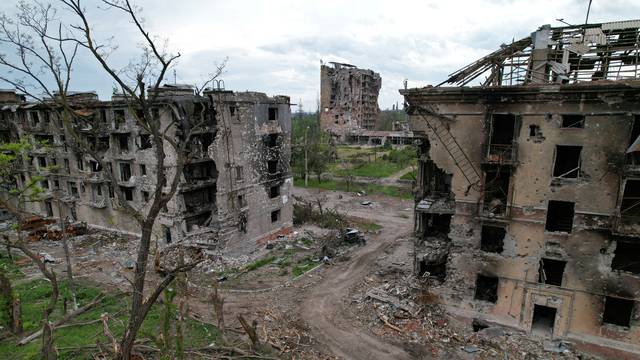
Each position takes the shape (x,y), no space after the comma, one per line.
(367,188)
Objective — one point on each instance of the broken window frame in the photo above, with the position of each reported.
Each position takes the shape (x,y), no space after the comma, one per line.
(626,256)
(616,304)
(552,263)
(498,152)
(630,204)
(272,113)
(274,191)
(275,216)
(484,296)
(577,169)
(554,223)
(572,121)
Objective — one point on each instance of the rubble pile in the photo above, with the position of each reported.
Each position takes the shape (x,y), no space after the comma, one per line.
(401,309)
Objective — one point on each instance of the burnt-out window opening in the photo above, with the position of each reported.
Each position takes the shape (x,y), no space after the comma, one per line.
(242,222)
(123,142)
(127,192)
(572,121)
(496,189)
(200,198)
(49,208)
(492,238)
(145,196)
(73,188)
(544,318)
(112,193)
(274,191)
(42,161)
(239,173)
(271,140)
(435,181)
(44,184)
(551,271)
(82,188)
(272,166)
(436,269)
(56,184)
(200,171)
(63,141)
(47,117)
(560,216)
(95,166)
(242,202)
(67,167)
(80,164)
(486,288)
(503,129)
(273,113)
(44,139)
(617,311)
(567,163)
(103,116)
(118,117)
(125,171)
(232,110)
(34,117)
(630,204)
(434,224)
(275,216)
(167,234)
(143,169)
(534,130)
(627,256)
(145,141)
(102,143)
(97,189)
(633,158)
(197,221)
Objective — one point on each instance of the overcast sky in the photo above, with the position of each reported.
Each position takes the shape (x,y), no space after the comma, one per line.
(275,46)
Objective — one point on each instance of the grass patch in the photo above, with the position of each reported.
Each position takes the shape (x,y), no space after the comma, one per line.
(260,263)
(303,266)
(369,226)
(368,188)
(376,169)
(35,295)
(8,266)
(411,175)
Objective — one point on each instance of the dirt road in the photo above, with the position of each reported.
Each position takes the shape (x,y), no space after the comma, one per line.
(322,304)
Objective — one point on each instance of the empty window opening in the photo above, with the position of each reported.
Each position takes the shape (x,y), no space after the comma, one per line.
(572,121)
(617,311)
(544,318)
(73,188)
(478,325)
(551,271)
(167,234)
(486,288)
(80,164)
(271,140)
(630,204)
(627,256)
(242,202)
(200,171)
(198,221)
(534,130)
(127,193)
(200,198)
(239,173)
(275,216)
(44,184)
(118,117)
(111,192)
(103,116)
(435,224)
(435,181)
(143,169)
(497,181)
(273,113)
(49,208)
(67,167)
(567,164)
(123,142)
(633,158)
(502,129)
(560,216)
(35,118)
(125,171)
(145,141)
(96,192)
(232,110)
(274,191)
(95,166)
(272,166)
(492,238)
(42,161)
(435,269)
(242,222)
(145,196)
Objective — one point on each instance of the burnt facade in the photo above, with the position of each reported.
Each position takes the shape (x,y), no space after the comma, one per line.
(348,98)
(235,186)
(528,198)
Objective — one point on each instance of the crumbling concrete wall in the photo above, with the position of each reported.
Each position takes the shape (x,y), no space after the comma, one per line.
(348,98)
(588,248)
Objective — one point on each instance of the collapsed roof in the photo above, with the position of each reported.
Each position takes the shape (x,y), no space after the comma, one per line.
(563,55)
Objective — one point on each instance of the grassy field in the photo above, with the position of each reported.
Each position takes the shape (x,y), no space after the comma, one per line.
(411,175)
(368,188)
(376,162)
(75,342)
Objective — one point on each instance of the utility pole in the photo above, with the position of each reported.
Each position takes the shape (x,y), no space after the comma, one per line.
(65,246)
(306,159)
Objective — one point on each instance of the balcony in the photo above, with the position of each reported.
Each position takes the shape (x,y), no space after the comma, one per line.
(501,154)
(494,210)
(435,204)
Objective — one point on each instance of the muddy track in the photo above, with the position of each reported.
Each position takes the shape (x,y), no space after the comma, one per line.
(321,306)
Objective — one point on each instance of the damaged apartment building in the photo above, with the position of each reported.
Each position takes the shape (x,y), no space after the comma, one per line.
(528,193)
(235,186)
(349,101)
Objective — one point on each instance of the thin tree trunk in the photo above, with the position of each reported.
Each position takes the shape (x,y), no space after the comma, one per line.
(65,246)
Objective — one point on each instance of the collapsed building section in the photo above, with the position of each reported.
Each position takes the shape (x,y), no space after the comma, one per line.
(235,179)
(528,191)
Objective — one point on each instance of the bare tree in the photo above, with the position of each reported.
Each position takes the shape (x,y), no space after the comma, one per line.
(46,48)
